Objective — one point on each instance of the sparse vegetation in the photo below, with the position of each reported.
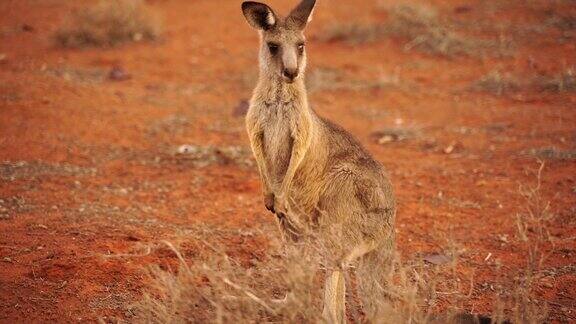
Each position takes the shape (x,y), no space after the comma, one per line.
(353,33)
(77,74)
(532,224)
(423,29)
(395,134)
(562,81)
(206,155)
(496,82)
(551,153)
(500,83)
(14,170)
(283,285)
(427,32)
(326,79)
(109,23)
(282,282)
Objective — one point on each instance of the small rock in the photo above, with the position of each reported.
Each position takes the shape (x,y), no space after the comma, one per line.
(453,148)
(462,9)
(547,282)
(118,74)
(137,37)
(27,28)
(7,259)
(385,139)
(133,238)
(187,149)
(503,238)
(394,134)
(437,259)
(241,109)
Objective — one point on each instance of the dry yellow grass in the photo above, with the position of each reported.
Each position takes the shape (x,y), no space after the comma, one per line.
(285,286)
(421,27)
(109,23)
(500,83)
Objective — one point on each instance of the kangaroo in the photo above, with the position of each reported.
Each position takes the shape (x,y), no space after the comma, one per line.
(314,174)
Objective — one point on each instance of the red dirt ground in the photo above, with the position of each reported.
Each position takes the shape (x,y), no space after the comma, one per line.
(88,171)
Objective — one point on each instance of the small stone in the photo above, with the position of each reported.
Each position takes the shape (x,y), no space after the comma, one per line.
(437,259)
(27,28)
(242,108)
(187,149)
(453,148)
(118,74)
(385,139)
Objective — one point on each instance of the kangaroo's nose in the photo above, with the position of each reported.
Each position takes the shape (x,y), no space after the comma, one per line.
(290,73)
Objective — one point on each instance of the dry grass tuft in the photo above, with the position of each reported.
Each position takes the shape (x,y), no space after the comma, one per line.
(423,29)
(551,153)
(281,287)
(496,82)
(532,224)
(327,79)
(109,23)
(284,282)
(427,32)
(285,285)
(562,81)
(500,83)
(352,33)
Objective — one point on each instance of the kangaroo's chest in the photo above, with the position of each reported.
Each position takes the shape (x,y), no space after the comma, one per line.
(277,143)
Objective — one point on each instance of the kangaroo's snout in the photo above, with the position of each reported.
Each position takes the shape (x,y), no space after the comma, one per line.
(290,74)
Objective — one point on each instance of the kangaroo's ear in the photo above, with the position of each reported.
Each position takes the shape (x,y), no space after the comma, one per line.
(302,14)
(259,15)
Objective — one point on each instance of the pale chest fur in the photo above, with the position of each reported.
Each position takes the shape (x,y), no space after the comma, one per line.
(277,140)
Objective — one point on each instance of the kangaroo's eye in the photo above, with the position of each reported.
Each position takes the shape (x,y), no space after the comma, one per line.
(301,48)
(273,48)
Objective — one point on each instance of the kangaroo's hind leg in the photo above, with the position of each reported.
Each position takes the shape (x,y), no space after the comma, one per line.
(335,297)
(373,276)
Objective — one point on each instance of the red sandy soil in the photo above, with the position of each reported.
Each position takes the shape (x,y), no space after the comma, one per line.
(88,171)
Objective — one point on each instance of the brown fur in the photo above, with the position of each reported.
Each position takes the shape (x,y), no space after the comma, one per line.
(315,175)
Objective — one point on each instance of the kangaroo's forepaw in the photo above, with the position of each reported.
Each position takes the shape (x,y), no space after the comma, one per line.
(280,205)
(269,202)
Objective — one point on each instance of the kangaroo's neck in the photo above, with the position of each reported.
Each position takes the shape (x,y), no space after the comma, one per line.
(273,91)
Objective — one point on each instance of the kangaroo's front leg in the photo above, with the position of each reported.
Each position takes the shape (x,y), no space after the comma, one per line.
(301,137)
(257,143)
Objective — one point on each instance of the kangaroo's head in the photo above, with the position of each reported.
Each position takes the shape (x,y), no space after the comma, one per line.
(282,42)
